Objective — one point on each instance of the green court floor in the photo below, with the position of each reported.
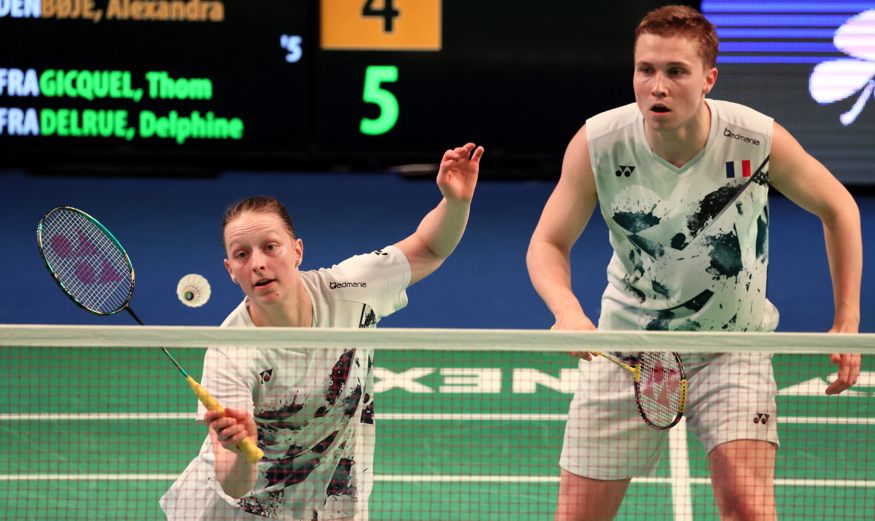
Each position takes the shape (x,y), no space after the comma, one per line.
(101,433)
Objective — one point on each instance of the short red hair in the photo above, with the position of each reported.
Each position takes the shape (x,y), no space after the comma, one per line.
(682,20)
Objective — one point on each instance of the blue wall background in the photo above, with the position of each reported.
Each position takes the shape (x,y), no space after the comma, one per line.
(171,227)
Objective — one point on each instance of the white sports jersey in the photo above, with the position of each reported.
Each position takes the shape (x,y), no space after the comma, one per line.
(314,408)
(690,253)
(690,243)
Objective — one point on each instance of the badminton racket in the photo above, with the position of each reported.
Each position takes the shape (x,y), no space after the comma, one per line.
(660,386)
(92,268)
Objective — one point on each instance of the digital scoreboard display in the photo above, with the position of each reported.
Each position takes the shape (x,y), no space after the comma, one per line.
(283,85)
(140,78)
(242,84)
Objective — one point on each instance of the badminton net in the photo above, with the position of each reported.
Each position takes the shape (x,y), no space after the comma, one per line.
(469,423)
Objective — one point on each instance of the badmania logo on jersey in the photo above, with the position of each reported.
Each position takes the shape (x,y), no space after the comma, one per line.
(341,285)
(731,135)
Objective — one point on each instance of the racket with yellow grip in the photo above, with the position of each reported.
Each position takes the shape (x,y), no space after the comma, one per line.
(660,386)
(660,382)
(92,268)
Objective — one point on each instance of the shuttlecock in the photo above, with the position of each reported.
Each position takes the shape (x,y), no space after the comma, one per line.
(193,290)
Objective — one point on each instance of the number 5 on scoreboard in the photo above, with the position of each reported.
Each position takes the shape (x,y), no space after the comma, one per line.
(375,76)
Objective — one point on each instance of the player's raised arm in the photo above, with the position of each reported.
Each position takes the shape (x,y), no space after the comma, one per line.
(442,228)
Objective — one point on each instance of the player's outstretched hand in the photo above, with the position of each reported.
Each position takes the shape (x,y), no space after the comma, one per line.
(848,371)
(232,427)
(848,364)
(575,322)
(457,176)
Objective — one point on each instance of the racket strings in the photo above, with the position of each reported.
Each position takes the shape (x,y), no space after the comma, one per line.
(87,261)
(661,393)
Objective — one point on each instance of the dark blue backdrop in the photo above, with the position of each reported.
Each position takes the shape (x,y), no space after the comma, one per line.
(171,227)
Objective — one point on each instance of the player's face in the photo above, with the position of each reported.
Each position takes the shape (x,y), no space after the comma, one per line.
(670,80)
(262,256)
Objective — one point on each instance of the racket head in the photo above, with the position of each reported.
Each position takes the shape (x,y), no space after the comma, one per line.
(86,260)
(661,389)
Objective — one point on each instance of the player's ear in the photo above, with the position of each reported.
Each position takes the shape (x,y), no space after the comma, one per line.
(228,267)
(299,252)
(710,79)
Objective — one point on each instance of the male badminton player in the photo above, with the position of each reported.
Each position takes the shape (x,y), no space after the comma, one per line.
(310,411)
(682,183)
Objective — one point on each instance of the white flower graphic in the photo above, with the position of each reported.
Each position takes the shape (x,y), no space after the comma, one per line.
(835,80)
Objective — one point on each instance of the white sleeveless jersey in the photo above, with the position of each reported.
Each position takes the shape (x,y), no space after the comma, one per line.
(314,407)
(690,243)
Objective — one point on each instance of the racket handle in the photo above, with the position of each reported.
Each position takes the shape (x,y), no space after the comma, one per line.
(250,450)
(247,447)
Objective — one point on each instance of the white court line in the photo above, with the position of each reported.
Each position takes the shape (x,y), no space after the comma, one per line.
(402,416)
(49,416)
(679,466)
(88,477)
(415,478)
(392,417)
(406,478)
(837,420)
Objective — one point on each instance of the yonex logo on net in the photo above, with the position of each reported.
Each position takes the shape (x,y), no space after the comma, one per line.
(624,170)
(341,285)
(730,134)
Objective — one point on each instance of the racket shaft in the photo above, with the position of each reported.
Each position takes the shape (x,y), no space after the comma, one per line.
(612,358)
(247,447)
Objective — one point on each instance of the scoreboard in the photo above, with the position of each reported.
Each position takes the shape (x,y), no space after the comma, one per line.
(236,83)
(191,84)
(165,80)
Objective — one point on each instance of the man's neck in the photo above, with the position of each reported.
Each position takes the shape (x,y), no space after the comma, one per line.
(678,146)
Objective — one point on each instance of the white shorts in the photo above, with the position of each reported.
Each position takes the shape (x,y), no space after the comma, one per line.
(729,397)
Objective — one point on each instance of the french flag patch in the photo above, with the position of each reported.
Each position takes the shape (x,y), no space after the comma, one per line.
(745,168)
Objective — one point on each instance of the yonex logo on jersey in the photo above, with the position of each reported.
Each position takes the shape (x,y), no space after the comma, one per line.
(745,168)
(761,418)
(379,252)
(266,375)
(340,285)
(624,170)
(728,133)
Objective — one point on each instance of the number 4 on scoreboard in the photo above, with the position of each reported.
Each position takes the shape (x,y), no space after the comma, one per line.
(388,12)
(380,25)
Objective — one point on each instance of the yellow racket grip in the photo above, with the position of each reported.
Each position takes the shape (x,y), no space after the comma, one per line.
(634,369)
(204,396)
(247,447)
